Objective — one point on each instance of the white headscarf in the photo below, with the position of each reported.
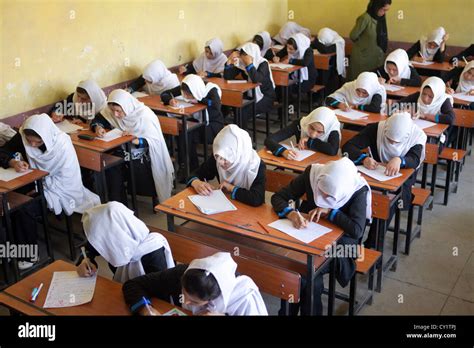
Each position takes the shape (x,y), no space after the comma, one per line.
(267,42)
(234,144)
(435,36)
(217,63)
(329,37)
(367,81)
(439,96)
(160,77)
(465,86)
(63,188)
(97,96)
(400,58)
(122,239)
(254,51)
(140,121)
(340,180)
(400,128)
(303,44)
(6,133)
(288,30)
(326,117)
(199,89)
(239,295)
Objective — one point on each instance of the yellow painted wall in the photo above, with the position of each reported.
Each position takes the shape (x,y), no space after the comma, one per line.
(419,17)
(48,46)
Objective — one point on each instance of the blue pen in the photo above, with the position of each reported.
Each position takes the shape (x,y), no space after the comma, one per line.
(146,305)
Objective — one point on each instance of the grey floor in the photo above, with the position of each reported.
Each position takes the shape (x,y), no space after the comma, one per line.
(436,278)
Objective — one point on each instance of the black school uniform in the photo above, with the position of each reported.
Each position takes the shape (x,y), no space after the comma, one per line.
(260,75)
(216,123)
(154,261)
(329,147)
(375,104)
(351,218)
(329,78)
(137,84)
(368,138)
(118,175)
(414,80)
(255,196)
(468,52)
(454,76)
(190,70)
(414,50)
(307,61)
(65,103)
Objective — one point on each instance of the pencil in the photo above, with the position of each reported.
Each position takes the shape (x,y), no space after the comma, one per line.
(264,227)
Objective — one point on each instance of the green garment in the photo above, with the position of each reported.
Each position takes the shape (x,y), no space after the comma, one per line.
(366,54)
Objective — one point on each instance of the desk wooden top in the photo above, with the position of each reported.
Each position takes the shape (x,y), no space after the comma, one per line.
(405,92)
(436,131)
(232,87)
(444,66)
(281,77)
(391,185)
(108,298)
(245,222)
(371,118)
(8,186)
(322,60)
(99,145)
(458,101)
(464,118)
(299,166)
(154,102)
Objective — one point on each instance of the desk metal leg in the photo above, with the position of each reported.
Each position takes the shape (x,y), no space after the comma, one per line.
(332,286)
(133,191)
(203,118)
(254,115)
(9,230)
(44,213)
(299,96)
(170,221)
(310,284)
(395,240)
(382,228)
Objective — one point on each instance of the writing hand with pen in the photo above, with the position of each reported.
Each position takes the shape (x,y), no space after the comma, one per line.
(301,221)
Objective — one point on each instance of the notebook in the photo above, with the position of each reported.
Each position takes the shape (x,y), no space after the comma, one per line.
(464,96)
(305,235)
(111,135)
(215,203)
(181,103)
(378,173)
(11,173)
(351,114)
(281,66)
(392,88)
(68,289)
(421,63)
(424,123)
(301,154)
(68,127)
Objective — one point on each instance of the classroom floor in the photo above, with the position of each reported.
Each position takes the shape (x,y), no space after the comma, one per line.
(436,278)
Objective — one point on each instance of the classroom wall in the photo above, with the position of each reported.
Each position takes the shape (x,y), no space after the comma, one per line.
(407,20)
(47,46)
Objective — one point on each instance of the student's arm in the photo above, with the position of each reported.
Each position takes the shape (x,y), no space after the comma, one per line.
(374,106)
(359,27)
(307,58)
(293,191)
(166,96)
(412,157)
(91,254)
(414,80)
(231,72)
(323,48)
(282,53)
(362,140)
(210,74)
(154,261)
(380,71)
(13,146)
(269,55)
(162,285)
(207,171)
(329,147)
(213,102)
(259,75)
(439,55)
(190,69)
(353,221)
(100,121)
(137,84)
(446,114)
(465,53)
(332,102)
(255,196)
(414,50)
(5,158)
(273,141)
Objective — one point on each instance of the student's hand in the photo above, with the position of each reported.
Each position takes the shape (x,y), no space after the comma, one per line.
(100,131)
(201,187)
(382,80)
(126,133)
(147,312)
(76,121)
(286,60)
(19,166)
(232,56)
(289,154)
(227,186)
(182,69)
(471,92)
(247,59)
(298,220)
(276,59)
(207,313)
(428,117)
(56,117)
(136,141)
(82,268)
(318,212)
(395,80)
(173,102)
(393,166)
(445,37)
(370,163)
(449,90)
(343,106)
(202,74)
(303,144)
(418,59)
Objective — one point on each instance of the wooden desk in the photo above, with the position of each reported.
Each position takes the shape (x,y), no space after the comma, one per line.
(173,126)
(405,92)
(436,131)
(371,118)
(108,298)
(93,155)
(464,121)
(322,61)
(245,222)
(298,166)
(444,66)
(11,201)
(392,185)
(461,102)
(281,77)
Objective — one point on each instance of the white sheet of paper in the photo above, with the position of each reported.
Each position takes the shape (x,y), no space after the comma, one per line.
(464,96)
(215,203)
(139,94)
(378,173)
(301,154)
(305,235)
(68,127)
(421,63)
(424,123)
(278,47)
(68,289)
(111,135)
(351,114)
(281,66)
(392,88)
(181,103)
(237,81)
(10,174)
(175,312)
